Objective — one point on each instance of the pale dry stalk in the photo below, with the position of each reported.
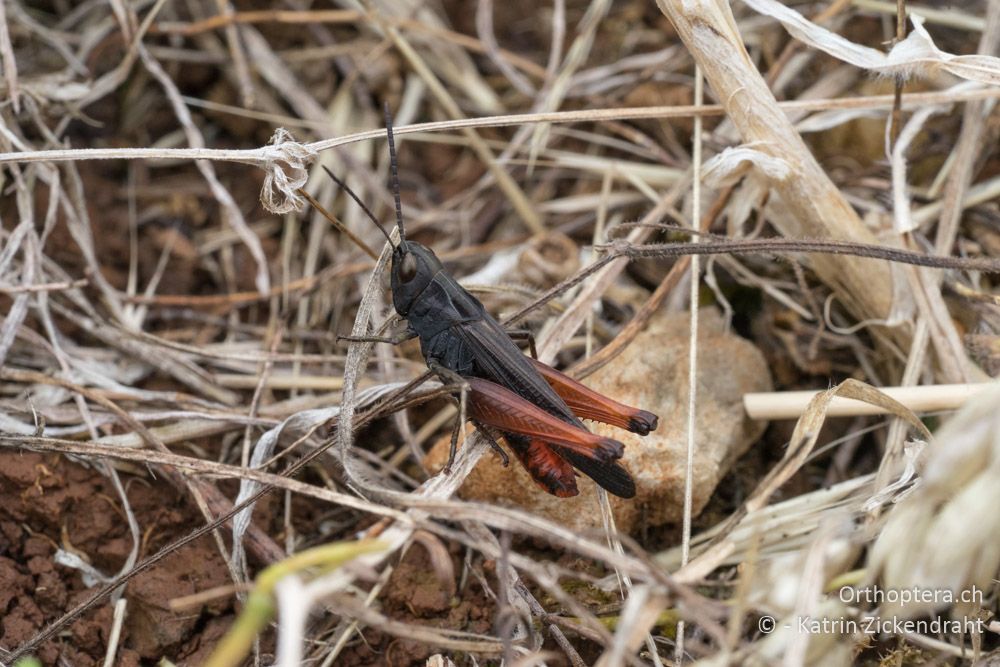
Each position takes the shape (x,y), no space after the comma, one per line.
(816,207)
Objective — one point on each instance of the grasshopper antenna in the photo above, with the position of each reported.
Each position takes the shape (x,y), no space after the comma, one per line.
(357,200)
(394,166)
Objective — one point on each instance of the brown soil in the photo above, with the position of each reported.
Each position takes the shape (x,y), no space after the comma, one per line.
(47,503)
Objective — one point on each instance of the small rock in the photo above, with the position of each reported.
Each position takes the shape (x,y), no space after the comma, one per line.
(652,374)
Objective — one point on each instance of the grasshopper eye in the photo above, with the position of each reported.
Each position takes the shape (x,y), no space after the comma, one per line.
(408,267)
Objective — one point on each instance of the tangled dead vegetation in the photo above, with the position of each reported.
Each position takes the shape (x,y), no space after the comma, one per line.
(194,468)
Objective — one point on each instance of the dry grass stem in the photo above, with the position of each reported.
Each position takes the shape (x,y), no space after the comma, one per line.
(922,398)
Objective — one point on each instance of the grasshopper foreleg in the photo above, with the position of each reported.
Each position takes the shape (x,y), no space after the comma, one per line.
(452,378)
(401,337)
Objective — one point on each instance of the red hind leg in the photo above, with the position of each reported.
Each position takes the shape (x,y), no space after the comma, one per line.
(548,447)
(504,410)
(588,404)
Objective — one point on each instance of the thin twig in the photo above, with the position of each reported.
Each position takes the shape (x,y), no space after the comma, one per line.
(260,156)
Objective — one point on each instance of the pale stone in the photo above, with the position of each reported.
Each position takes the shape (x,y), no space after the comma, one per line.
(652,374)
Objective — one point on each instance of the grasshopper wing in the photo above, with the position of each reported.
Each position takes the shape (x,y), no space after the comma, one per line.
(609,476)
(499,360)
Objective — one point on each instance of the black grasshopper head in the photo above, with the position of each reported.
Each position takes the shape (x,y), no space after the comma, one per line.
(413,267)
